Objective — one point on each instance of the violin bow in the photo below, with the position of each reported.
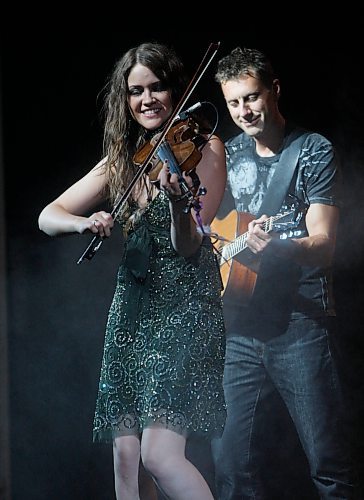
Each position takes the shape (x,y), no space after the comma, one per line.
(97,240)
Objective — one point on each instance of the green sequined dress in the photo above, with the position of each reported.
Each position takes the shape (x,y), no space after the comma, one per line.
(165,341)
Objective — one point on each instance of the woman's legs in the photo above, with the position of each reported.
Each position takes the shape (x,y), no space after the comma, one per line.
(147,487)
(163,456)
(126,451)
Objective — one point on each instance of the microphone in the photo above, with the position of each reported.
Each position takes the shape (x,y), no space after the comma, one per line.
(184,114)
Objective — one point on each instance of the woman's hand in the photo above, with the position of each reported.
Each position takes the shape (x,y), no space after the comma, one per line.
(98,223)
(184,235)
(170,182)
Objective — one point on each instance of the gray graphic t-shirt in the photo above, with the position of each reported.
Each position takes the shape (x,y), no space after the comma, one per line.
(283,289)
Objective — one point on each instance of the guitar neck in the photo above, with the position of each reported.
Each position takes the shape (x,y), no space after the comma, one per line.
(239,244)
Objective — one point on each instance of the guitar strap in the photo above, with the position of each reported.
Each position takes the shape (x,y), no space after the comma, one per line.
(281,180)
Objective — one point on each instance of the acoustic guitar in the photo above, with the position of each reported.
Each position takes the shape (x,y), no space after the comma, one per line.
(238,265)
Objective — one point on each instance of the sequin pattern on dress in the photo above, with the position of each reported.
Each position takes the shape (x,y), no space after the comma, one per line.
(164,344)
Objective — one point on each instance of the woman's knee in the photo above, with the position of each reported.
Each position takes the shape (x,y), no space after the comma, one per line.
(162,450)
(153,460)
(126,449)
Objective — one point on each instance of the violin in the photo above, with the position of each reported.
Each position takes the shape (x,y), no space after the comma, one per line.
(179,147)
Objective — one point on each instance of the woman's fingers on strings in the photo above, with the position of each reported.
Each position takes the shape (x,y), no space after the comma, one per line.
(169,182)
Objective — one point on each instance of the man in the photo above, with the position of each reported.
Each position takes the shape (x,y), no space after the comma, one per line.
(280,332)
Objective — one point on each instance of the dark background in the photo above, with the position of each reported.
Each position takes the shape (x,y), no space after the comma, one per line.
(51,78)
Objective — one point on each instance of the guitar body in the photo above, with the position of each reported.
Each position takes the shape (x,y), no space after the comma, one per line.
(238,279)
(238,265)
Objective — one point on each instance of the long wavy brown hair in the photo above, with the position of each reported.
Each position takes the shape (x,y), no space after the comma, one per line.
(122,134)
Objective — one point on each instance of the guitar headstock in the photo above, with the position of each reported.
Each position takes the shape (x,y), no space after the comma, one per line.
(288,219)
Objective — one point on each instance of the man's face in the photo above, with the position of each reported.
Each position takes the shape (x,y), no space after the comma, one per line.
(250,103)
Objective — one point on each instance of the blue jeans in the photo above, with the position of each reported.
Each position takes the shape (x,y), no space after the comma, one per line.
(300,365)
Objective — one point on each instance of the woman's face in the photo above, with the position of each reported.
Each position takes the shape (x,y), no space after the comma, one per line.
(149,100)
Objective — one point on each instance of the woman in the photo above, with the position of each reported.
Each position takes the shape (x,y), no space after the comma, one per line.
(161,374)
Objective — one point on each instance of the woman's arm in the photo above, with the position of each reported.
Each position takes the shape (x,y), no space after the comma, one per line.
(65,215)
(211,171)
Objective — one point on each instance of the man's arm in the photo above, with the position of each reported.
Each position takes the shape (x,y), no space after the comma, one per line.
(316,249)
